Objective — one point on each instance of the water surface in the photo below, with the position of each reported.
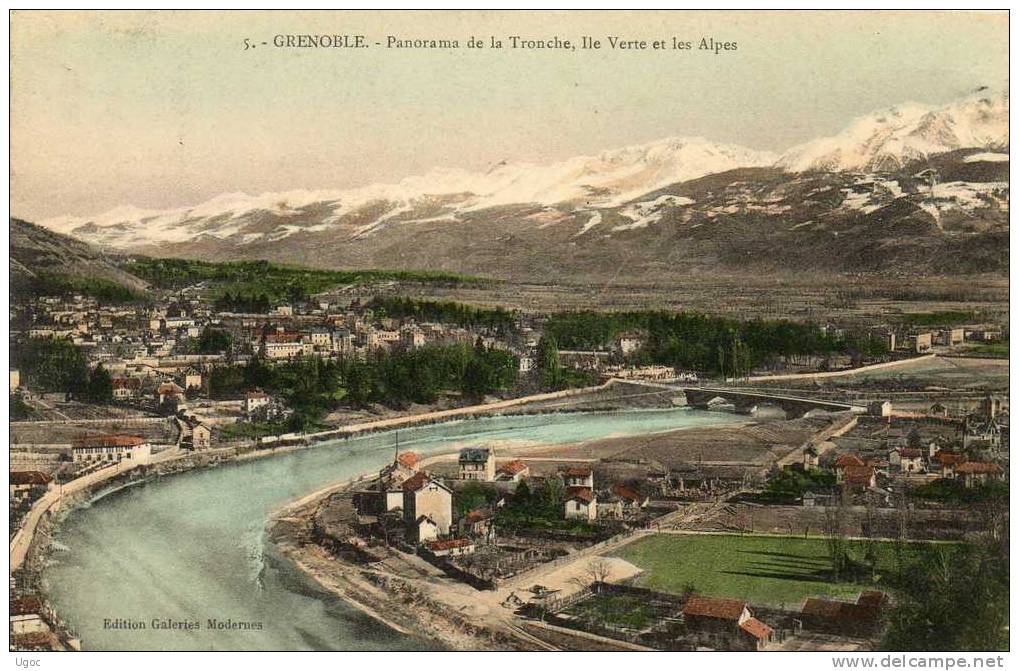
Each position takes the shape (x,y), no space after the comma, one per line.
(191,547)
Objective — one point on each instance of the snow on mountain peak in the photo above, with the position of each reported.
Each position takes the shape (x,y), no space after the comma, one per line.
(889,138)
(608,179)
(883,140)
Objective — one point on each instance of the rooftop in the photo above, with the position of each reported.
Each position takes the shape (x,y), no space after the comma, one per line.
(757,629)
(472,454)
(513,467)
(708,606)
(30,478)
(109,440)
(579,494)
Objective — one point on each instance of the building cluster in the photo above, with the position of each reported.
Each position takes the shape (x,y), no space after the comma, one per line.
(147,349)
(405,503)
(895,455)
(918,340)
(410,507)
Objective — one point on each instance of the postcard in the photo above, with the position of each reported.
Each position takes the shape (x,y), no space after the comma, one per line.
(509,331)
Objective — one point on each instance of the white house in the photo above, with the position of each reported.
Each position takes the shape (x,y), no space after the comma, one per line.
(580,503)
(514,471)
(112,448)
(253,400)
(425,529)
(477,463)
(425,497)
(906,459)
(578,477)
(192,378)
(627,343)
(201,436)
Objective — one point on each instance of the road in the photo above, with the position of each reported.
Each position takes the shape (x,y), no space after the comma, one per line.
(51,501)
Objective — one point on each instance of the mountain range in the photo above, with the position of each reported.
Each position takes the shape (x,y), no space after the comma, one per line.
(36,252)
(909,189)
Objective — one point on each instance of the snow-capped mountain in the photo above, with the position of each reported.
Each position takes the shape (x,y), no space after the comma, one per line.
(606,180)
(644,211)
(890,138)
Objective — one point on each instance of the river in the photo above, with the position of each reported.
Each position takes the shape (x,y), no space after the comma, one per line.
(191,547)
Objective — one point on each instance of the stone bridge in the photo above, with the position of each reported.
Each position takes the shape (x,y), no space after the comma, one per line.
(757,402)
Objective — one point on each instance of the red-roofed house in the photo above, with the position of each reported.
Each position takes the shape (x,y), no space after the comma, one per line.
(844,617)
(513,471)
(947,462)
(478,523)
(169,392)
(630,498)
(859,477)
(126,387)
(28,484)
(253,400)
(756,634)
(718,622)
(844,461)
(26,616)
(580,503)
(714,609)
(578,477)
(110,447)
(975,473)
(454,547)
(408,460)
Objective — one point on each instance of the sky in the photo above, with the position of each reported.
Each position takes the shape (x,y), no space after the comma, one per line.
(166,109)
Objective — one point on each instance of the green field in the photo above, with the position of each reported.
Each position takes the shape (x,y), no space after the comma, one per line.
(618,611)
(990,349)
(759,569)
(277,282)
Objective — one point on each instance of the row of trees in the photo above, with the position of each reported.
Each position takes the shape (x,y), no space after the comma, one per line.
(211,341)
(276,279)
(552,376)
(448,312)
(243,303)
(58,365)
(59,284)
(947,596)
(702,342)
(312,386)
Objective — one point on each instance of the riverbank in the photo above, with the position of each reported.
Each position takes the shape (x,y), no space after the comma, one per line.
(403,592)
(77,613)
(404,604)
(441,602)
(408,594)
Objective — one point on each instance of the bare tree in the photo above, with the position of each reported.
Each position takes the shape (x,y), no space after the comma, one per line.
(599,570)
(834,531)
(595,574)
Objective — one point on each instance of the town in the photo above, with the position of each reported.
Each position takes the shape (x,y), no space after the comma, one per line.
(847,452)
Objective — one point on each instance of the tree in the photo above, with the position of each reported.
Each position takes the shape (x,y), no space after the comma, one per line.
(100,386)
(951,598)
(599,570)
(595,574)
(358,384)
(213,341)
(548,363)
(476,378)
(474,495)
(835,536)
(553,492)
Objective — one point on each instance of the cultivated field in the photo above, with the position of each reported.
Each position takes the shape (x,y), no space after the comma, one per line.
(761,570)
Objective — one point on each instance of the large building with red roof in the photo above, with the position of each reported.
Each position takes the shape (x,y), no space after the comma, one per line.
(110,448)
